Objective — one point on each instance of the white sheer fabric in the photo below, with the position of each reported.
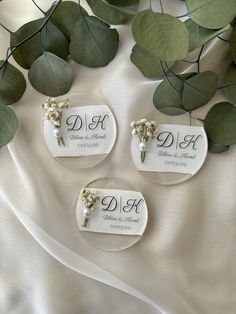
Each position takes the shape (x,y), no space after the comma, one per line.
(185,262)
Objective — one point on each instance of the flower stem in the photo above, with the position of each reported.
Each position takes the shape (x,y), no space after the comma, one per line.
(13,48)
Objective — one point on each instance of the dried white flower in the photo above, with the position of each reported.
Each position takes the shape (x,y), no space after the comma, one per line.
(90,199)
(145,130)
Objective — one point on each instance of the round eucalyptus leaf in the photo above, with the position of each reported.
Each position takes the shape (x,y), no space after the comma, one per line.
(217,148)
(229,82)
(93,42)
(49,39)
(112,12)
(172,111)
(66,15)
(8,125)
(212,14)
(168,94)
(149,65)
(198,35)
(199,89)
(163,35)
(232,41)
(51,75)
(220,124)
(12,84)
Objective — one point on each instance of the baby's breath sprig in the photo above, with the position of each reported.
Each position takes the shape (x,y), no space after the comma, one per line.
(90,199)
(145,130)
(54,109)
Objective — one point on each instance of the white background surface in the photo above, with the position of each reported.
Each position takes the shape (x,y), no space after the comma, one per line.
(185,262)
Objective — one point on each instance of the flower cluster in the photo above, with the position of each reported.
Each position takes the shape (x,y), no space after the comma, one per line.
(89,197)
(54,110)
(145,129)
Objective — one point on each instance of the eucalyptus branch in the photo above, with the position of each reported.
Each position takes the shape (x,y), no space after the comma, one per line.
(226,40)
(14,47)
(190,12)
(38,7)
(180,78)
(188,61)
(199,58)
(150,4)
(161,5)
(7,29)
(168,79)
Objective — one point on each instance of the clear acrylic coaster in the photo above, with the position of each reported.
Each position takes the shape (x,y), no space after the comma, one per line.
(95,144)
(168,177)
(109,241)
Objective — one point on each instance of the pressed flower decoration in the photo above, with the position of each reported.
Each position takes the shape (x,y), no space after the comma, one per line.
(145,130)
(90,199)
(54,109)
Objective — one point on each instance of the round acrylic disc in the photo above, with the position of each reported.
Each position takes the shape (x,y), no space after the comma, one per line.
(120,218)
(88,129)
(176,153)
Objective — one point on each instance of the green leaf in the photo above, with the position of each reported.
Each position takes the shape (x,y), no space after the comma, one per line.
(168,95)
(217,148)
(199,89)
(93,42)
(229,82)
(149,65)
(112,12)
(66,15)
(198,35)
(49,39)
(123,3)
(162,35)
(232,41)
(12,84)
(8,125)
(212,14)
(220,124)
(51,75)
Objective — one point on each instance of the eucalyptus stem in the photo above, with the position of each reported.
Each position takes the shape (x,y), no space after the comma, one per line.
(7,29)
(38,7)
(13,48)
(161,5)
(180,78)
(203,5)
(150,4)
(199,58)
(168,79)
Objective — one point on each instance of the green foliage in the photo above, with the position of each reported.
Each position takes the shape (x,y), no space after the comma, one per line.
(8,125)
(66,15)
(49,39)
(162,35)
(186,92)
(220,124)
(93,42)
(149,65)
(56,73)
(168,95)
(114,12)
(229,82)
(43,47)
(212,14)
(198,35)
(199,89)
(217,148)
(12,83)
